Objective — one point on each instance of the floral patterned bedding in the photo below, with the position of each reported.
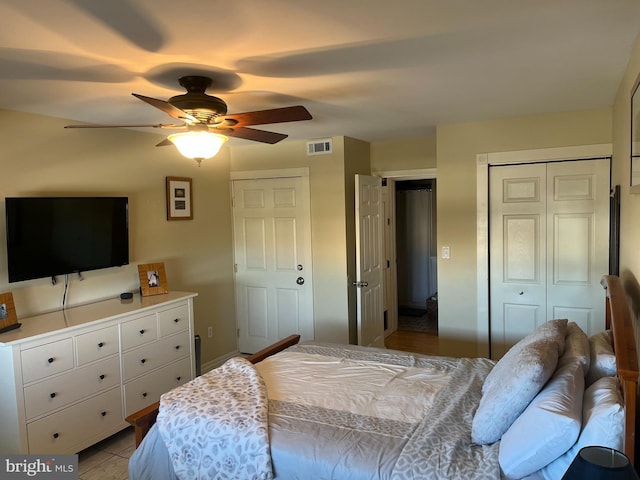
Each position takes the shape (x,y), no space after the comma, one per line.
(215,427)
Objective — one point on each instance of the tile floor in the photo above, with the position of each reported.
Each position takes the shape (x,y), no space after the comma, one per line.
(109,459)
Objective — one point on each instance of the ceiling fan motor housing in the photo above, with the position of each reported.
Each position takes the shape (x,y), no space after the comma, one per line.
(196,102)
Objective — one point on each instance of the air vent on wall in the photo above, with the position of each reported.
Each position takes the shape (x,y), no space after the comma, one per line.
(319,147)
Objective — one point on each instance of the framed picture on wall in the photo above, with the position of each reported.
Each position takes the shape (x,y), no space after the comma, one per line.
(153,279)
(179,199)
(8,317)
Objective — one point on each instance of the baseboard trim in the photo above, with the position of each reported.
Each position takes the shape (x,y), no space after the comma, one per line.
(216,362)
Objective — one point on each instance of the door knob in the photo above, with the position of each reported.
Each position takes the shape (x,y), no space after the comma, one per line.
(300,281)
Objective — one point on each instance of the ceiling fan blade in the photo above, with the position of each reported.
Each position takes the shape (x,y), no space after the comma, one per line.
(253,134)
(275,115)
(167,108)
(131,125)
(164,143)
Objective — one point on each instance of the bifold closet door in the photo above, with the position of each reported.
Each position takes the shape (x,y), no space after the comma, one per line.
(549,246)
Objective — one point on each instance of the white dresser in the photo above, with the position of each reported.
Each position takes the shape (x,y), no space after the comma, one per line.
(69,378)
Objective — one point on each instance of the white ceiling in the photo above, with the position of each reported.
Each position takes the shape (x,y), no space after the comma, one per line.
(369,69)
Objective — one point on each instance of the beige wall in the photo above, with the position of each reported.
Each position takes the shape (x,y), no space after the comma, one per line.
(457,146)
(196,253)
(629,203)
(409,154)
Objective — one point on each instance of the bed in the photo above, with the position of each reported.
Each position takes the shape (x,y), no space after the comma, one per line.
(316,410)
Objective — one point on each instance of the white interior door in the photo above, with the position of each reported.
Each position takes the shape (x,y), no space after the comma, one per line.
(369,268)
(273,281)
(549,246)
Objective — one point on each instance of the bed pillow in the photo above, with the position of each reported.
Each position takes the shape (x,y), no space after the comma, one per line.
(524,375)
(602,424)
(548,427)
(576,348)
(553,331)
(603,360)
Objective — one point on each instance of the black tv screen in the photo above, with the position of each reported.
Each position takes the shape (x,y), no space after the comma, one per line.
(49,236)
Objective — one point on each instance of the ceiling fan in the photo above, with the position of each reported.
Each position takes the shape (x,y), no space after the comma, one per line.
(204,117)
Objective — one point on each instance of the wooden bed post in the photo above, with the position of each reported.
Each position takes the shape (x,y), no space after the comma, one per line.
(618,318)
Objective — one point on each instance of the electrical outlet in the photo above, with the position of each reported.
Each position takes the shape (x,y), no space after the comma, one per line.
(446,252)
(210,332)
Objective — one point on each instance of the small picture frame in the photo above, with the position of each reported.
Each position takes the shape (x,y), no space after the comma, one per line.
(153,279)
(8,317)
(179,199)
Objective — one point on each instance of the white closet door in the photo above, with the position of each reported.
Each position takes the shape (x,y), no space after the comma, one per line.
(549,247)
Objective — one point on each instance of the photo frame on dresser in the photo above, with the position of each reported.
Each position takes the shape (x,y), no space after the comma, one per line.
(153,279)
(8,316)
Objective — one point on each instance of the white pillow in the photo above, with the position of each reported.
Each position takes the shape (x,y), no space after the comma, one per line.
(508,395)
(548,427)
(551,331)
(576,347)
(602,424)
(603,360)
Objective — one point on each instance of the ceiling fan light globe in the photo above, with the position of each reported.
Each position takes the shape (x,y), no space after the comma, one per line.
(198,144)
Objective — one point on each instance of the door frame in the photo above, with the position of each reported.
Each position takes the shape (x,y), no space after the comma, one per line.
(483,161)
(398,176)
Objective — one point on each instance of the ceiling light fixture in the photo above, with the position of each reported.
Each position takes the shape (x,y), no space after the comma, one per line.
(198,144)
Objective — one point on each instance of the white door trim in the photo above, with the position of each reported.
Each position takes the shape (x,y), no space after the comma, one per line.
(397,176)
(416,174)
(275,173)
(483,160)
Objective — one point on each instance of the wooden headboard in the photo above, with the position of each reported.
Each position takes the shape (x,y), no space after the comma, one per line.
(618,319)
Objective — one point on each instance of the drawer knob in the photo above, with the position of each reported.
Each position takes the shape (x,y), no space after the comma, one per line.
(144,360)
(142,331)
(101,344)
(144,394)
(178,378)
(176,320)
(101,376)
(56,435)
(50,359)
(104,414)
(177,347)
(52,394)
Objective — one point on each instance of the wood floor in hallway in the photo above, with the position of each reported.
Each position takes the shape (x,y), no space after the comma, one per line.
(416,342)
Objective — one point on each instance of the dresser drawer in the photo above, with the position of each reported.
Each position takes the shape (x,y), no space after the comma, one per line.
(62,431)
(143,391)
(153,355)
(51,394)
(44,360)
(173,320)
(139,331)
(92,346)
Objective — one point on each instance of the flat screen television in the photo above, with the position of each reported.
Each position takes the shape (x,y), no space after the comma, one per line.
(49,236)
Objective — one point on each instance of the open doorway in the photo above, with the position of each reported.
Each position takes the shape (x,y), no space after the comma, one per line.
(416,255)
